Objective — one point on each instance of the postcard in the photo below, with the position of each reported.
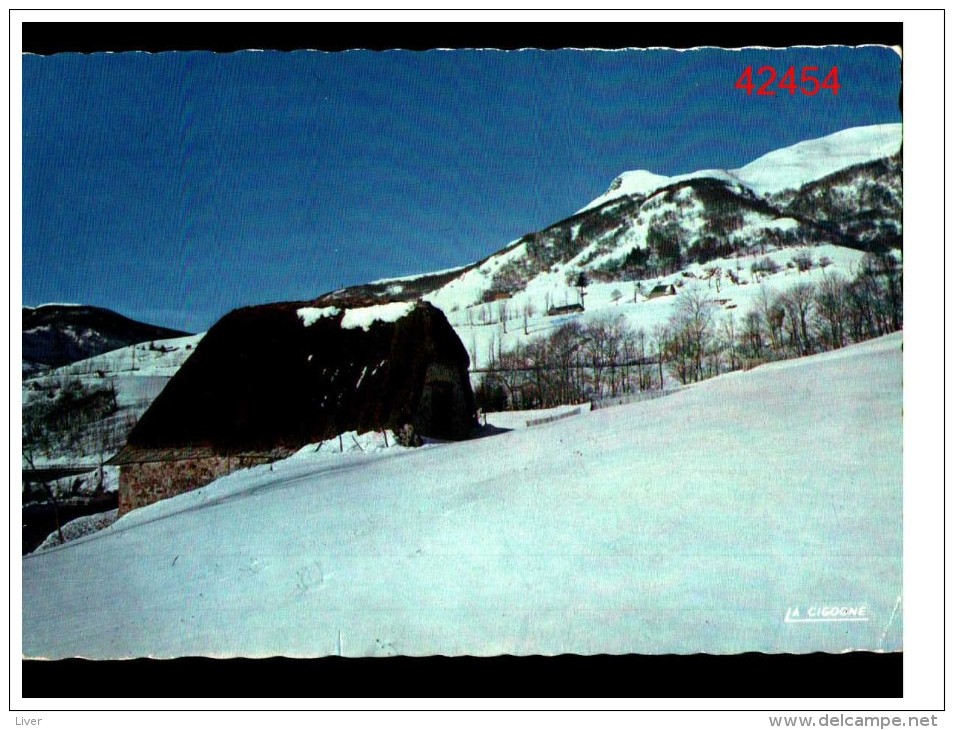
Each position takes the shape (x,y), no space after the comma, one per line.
(462,352)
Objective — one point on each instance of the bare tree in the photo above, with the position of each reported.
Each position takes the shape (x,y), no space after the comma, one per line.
(803,261)
(527,311)
(597,334)
(536,357)
(799,303)
(473,350)
(660,338)
(510,375)
(729,340)
(644,373)
(690,334)
(773,316)
(619,352)
(564,346)
(885,267)
(492,354)
(831,309)
(753,336)
(502,313)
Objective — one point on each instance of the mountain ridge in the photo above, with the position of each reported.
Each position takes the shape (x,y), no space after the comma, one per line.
(61,334)
(853,146)
(843,189)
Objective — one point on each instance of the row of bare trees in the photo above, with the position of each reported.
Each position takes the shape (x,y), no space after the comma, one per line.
(807,318)
(832,313)
(607,357)
(576,362)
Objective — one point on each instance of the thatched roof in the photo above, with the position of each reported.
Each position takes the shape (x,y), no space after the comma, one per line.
(279,376)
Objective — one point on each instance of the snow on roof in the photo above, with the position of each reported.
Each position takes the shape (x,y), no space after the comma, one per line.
(362,317)
(366,316)
(310,315)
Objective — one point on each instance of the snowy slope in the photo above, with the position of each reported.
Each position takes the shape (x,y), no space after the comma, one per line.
(137,372)
(685,524)
(794,166)
(158,358)
(745,211)
(789,167)
(632,182)
(480,329)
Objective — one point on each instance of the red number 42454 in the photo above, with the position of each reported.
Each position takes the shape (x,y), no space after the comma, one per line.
(809,84)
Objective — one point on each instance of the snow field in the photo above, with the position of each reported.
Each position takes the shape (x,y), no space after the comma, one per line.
(684,524)
(158,358)
(518,419)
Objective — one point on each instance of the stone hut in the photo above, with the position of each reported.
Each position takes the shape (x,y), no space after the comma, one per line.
(565,309)
(662,290)
(267,380)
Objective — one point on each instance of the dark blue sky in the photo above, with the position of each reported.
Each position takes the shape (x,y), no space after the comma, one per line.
(175,187)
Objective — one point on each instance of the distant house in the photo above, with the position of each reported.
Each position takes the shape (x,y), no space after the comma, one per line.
(267,380)
(565,309)
(661,290)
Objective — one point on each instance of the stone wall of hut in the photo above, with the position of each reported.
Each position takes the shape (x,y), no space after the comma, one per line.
(144,483)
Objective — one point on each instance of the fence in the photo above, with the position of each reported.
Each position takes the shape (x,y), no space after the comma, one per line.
(549,419)
(622,400)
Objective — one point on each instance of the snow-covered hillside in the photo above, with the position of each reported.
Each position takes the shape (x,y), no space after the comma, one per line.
(137,373)
(692,523)
(807,161)
(789,167)
(830,199)
(486,327)
(158,358)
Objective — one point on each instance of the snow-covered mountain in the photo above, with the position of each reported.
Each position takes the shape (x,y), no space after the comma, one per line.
(841,190)
(59,334)
(825,201)
(788,168)
(643,528)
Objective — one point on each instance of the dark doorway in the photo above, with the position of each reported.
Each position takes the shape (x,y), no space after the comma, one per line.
(441,421)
